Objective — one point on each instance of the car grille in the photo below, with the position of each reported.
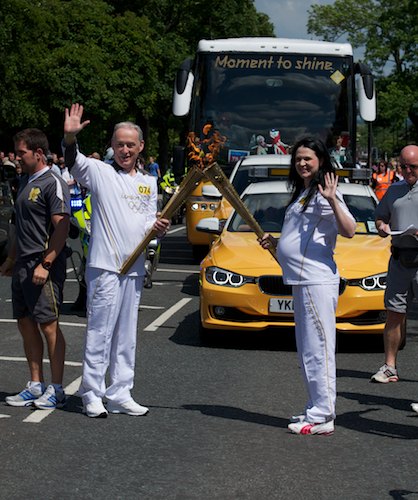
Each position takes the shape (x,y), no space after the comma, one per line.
(233,314)
(368,318)
(273,285)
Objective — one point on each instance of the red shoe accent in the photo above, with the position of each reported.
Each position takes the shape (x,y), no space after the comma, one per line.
(307,429)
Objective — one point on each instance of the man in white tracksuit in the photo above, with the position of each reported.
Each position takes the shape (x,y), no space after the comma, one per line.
(124,206)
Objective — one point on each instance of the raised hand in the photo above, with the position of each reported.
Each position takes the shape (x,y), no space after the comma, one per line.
(72,122)
(330,189)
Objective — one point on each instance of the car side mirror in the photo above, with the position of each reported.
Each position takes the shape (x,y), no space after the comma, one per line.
(210,191)
(209,225)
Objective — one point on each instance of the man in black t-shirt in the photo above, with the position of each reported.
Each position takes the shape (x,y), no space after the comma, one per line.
(37,262)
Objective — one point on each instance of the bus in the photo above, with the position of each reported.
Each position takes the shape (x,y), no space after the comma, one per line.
(262,95)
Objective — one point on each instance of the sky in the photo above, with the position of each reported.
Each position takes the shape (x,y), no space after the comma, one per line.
(289,17)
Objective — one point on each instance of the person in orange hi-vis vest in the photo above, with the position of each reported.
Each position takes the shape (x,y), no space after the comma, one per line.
(382,179)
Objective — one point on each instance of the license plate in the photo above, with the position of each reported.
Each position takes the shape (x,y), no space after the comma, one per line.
(281,305)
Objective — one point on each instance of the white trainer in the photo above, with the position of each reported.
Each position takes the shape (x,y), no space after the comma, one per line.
(385,374)
(306,428)
(129,407)
(95,409)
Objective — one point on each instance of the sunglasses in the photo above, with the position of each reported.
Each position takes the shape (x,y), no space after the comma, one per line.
(408,165)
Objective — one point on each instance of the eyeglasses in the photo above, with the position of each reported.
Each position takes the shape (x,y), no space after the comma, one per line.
(406,165)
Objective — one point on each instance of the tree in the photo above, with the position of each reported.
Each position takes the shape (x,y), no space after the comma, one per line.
(178,27)
(75,50)
(388,32)
(119,59)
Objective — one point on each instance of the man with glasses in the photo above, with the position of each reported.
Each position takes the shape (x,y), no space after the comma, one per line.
(397,215)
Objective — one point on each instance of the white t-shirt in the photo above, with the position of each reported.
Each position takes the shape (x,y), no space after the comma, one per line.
(123,209)
(306,246)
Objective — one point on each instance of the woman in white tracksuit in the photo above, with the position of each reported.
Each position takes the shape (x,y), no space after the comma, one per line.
(314,217)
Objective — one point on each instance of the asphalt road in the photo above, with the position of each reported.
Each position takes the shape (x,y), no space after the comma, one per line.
(217,426)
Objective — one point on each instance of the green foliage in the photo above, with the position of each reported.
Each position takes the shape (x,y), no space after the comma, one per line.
(117,58)
(388,33)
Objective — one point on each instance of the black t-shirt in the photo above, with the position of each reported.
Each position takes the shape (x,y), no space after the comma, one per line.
(37,201)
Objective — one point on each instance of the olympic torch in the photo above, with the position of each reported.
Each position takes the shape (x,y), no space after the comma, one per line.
(202,154)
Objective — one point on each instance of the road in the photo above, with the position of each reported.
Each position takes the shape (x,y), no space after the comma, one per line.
(217,426)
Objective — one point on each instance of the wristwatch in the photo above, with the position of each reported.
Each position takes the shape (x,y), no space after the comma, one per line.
(46,264)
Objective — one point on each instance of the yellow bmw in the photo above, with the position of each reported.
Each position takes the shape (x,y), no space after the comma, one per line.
(241,285)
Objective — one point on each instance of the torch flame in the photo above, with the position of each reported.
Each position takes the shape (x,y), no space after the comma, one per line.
(203,152)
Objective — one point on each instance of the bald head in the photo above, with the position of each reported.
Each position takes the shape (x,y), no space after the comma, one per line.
(409,164)
(409,154)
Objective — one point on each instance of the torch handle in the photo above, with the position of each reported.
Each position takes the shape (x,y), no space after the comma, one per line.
(186,187)
(217,176)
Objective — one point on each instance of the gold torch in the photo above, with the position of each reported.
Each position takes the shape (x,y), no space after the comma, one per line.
(204,164)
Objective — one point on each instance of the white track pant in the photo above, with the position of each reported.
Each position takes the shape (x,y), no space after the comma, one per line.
(315,307)
(112,304)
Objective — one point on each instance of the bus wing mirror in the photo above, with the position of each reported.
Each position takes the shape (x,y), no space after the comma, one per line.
(366,93)
(183,87)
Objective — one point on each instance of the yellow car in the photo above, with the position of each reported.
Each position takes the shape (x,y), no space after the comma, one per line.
(241,285)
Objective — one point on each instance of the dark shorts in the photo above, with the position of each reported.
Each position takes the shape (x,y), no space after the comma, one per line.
(401,286)
(39,302)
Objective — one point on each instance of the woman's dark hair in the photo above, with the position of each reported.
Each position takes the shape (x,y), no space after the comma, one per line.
(294,180)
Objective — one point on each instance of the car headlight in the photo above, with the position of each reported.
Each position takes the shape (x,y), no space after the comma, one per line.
(371,283)
(222,277)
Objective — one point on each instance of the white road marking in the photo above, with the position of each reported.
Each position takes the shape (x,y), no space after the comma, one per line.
(141,306)
(184,271)
(172,231)
(62,323)
(4,416)
(39,415)
(152,327)
(18,358)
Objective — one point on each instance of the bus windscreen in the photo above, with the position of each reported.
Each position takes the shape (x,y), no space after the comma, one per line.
(263,103)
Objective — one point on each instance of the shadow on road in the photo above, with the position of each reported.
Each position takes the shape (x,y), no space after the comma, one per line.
(373,400)
(188,333)
(234,413)
(357,421)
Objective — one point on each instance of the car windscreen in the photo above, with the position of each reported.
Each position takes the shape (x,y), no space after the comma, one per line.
(362,209)
(268,210)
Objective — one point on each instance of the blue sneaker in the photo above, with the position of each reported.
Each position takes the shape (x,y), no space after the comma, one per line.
(51,399)
(26,397)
